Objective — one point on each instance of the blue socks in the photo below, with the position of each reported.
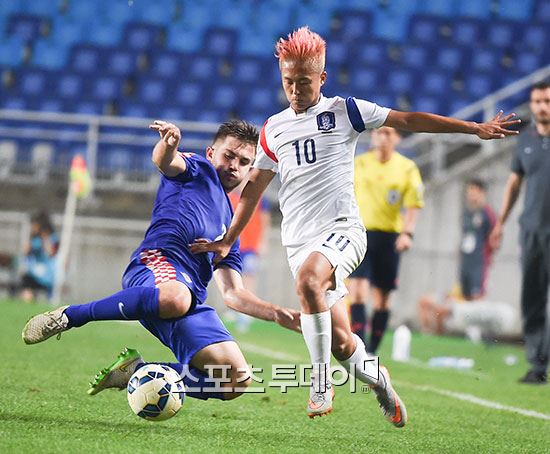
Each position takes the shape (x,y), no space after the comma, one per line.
(134,303)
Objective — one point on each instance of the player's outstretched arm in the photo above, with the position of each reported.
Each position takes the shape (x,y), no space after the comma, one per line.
(258,181)
(511,193)
(497,128)
(242,300)
(165,155)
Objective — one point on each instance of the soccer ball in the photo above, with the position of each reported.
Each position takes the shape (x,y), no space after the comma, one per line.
(155,392)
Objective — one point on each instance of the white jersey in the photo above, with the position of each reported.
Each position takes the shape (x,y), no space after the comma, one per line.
(313,153)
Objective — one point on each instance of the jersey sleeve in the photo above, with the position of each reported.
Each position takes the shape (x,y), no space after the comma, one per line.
(233,259)
(265,158)
(192,167)
(517,166)
(365,114)
(414,192)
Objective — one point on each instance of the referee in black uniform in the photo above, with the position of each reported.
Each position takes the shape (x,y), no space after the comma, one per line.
(531,163)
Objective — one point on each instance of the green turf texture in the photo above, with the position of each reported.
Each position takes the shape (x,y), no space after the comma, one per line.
(44,406)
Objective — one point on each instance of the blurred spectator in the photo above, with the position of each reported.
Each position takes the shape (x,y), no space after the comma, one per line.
(38,263)
(456,314)
(386,183)
(253,244)
(532,163)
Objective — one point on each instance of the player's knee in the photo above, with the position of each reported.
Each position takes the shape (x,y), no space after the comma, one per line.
(174,300)
(240,381)
(308,285)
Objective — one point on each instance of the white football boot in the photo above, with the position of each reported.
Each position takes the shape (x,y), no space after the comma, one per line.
(43,326)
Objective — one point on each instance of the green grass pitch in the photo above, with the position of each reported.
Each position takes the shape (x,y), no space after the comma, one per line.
(44,406)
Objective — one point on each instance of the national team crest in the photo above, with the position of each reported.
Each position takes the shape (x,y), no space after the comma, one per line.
(326,121)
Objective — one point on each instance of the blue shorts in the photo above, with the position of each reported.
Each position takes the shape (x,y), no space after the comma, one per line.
(186,335)
(381,263)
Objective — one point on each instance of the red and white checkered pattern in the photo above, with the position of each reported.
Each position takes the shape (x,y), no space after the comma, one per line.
(157,263)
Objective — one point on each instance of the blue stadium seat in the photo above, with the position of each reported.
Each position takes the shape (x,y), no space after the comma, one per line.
(46,54)
(443,8)
(362,77)
(318,19)
(416,56)
(121,62)
(195,16)
(474,8)
(13,102)
(502,34)
(250,69)
(527,62)
(372,52)
(114,158)
(140,36)
(86,58)
(479,85)
(69,86)
(542,11)
(11,51)
(467,32)
(201,67)
(262,99)
(82,12)
(167,64)
(9,8)
(25,26)
(189,94)
(353,25)
(458,103)
(212,116)
(424,29)
(338,52)
(51,105)
(451,58)
(133,109)
(158,12)
(399,81)
(89,107)
(224,97)
(514,10)
(220,42)
(152,90)
(106,88)
(233,16)
(119,13)
(430,104)
(536,36)
(181,38)
(269,22)
(485,59)
(362,5)
(39,8)
(390,26)
(32,82)
(435,83)
(403,7)
(67,32)
(103,34)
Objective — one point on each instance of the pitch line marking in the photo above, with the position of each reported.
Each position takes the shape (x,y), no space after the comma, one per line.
(269,353)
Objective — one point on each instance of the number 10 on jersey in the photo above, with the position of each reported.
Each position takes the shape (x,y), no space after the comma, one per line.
(308,150)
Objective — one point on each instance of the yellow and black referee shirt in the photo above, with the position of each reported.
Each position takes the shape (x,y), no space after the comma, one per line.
(382,189)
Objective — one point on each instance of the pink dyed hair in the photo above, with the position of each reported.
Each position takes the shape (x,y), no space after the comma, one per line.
(302,45)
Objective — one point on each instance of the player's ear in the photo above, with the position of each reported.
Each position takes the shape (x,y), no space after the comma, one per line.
(323,77)
(209,153)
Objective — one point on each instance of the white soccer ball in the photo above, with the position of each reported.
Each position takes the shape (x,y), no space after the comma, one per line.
(155,392)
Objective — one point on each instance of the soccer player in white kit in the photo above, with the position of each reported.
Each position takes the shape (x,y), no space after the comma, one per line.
(311,144)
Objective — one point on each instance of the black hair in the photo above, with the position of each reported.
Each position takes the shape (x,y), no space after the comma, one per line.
(478,183)
(540,86)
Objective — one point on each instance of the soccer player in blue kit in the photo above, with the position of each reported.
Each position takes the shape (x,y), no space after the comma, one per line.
(164,286)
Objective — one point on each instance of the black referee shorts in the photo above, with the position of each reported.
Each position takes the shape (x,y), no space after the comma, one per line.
(381,263)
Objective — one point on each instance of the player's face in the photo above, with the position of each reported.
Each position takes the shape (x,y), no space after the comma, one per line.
(540,105)
(301,83)
(475,196)
(232,160)
(385,138)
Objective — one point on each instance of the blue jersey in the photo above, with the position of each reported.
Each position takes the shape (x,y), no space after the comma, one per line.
(187,207)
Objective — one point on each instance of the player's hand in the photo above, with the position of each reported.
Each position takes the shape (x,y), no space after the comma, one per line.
(497,128)
(288,318)
(403,242)
(220,248)
(495,237)
(169,133)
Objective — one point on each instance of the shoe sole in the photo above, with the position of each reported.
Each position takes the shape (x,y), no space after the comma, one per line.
(119,364)
(312,415)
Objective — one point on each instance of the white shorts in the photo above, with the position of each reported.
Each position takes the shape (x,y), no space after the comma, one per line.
(344,244)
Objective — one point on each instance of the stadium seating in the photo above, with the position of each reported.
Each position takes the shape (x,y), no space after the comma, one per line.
(209,60)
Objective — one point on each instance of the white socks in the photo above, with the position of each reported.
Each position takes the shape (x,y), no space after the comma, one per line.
(365,370)
(317,332)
